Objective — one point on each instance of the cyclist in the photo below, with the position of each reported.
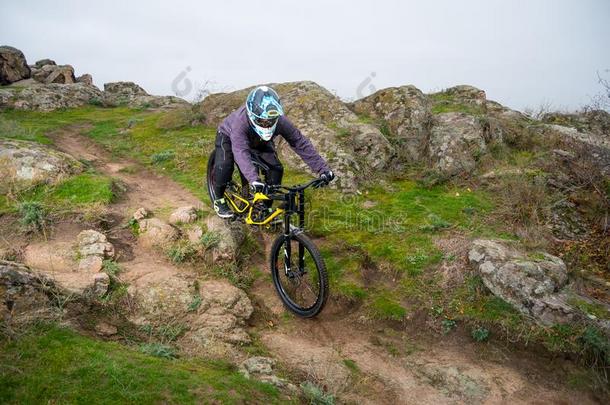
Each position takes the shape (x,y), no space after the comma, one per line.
(250,130)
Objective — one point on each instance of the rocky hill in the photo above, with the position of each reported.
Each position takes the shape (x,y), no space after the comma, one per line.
(467,246)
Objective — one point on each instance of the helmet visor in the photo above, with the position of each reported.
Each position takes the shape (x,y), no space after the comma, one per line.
(265,123)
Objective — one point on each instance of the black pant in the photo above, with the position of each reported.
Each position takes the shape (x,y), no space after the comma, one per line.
(223,166)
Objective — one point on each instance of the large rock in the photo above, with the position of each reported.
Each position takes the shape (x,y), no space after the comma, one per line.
(132,95)
(456,141)
(13,66)
(405,113)
(230,237)
(26,296)
(352,147)
(49,97)
(532,285)
(183,215)
(214,311)
(24,163)
(93,248)
(44,62)
(156,233)
(60,262)
(63,74)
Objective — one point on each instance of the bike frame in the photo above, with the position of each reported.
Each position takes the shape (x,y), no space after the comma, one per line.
(293,202)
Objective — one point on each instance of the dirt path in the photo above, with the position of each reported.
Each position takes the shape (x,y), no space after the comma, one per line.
(356,360)
(143,188)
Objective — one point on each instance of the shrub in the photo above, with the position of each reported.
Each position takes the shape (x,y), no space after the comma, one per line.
(480,334)
(194,304)
(448,325)
(181,253)
(158,350)
(32,215)
(111,267)
(209,239)
(162,156)
(316,395)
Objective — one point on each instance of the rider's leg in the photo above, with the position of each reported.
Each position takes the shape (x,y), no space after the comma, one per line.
(223,167)
(276,169)
(223,171)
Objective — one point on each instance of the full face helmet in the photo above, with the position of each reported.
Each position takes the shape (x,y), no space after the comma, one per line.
(264,109)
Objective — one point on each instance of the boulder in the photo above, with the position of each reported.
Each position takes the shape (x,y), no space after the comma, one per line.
(86,79)
(215,311)
(261,368)
(156,233)
(62,74)
(532,285)
(126,89)
(183,215)
(405,113)
(140,213)
(58,261)
(25,295)
(93,248)
(456,141)
(44,62)
(350,145)
(13,66)
(231,236)
(194,234)
(24,163)
(222,314)
(49,97)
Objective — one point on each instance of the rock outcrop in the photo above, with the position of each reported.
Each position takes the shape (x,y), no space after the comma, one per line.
(214,311)
(47,86)
(405,113)
(456,141)
(49,97)
(534,286)
(132,95)
(26,295)
(76,266)
(230,237)
(24,163)
(13,66)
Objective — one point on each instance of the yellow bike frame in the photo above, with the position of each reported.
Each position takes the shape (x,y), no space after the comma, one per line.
(250,205)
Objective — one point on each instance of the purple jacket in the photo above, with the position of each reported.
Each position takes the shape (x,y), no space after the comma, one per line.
(243,139)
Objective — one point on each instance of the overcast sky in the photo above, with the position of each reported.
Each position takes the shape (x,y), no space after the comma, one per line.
(522,53)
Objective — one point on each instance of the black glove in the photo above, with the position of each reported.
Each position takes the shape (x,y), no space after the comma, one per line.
(327,176)
(258,187)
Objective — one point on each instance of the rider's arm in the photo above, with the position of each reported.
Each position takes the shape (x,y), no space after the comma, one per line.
(302,146)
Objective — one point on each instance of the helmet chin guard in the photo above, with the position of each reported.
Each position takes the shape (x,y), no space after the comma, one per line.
(264,110)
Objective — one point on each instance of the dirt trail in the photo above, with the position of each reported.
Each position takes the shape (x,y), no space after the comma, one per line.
(358,361)
(144,188)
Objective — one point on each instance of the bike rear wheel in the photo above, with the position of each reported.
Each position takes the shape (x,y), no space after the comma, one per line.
(299,274)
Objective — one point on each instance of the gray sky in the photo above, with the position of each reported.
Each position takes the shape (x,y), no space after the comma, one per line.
(522,53)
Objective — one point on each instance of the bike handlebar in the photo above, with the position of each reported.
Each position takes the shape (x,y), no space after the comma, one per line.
(315,183)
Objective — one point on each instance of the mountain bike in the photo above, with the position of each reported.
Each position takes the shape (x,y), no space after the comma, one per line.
(297,267)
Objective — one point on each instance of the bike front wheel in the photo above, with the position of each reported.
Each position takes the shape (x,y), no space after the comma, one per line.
(299,274)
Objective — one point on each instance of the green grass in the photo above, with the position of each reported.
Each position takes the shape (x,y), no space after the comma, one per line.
(386,307)
(77,193)
(445,103)
(55,365)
